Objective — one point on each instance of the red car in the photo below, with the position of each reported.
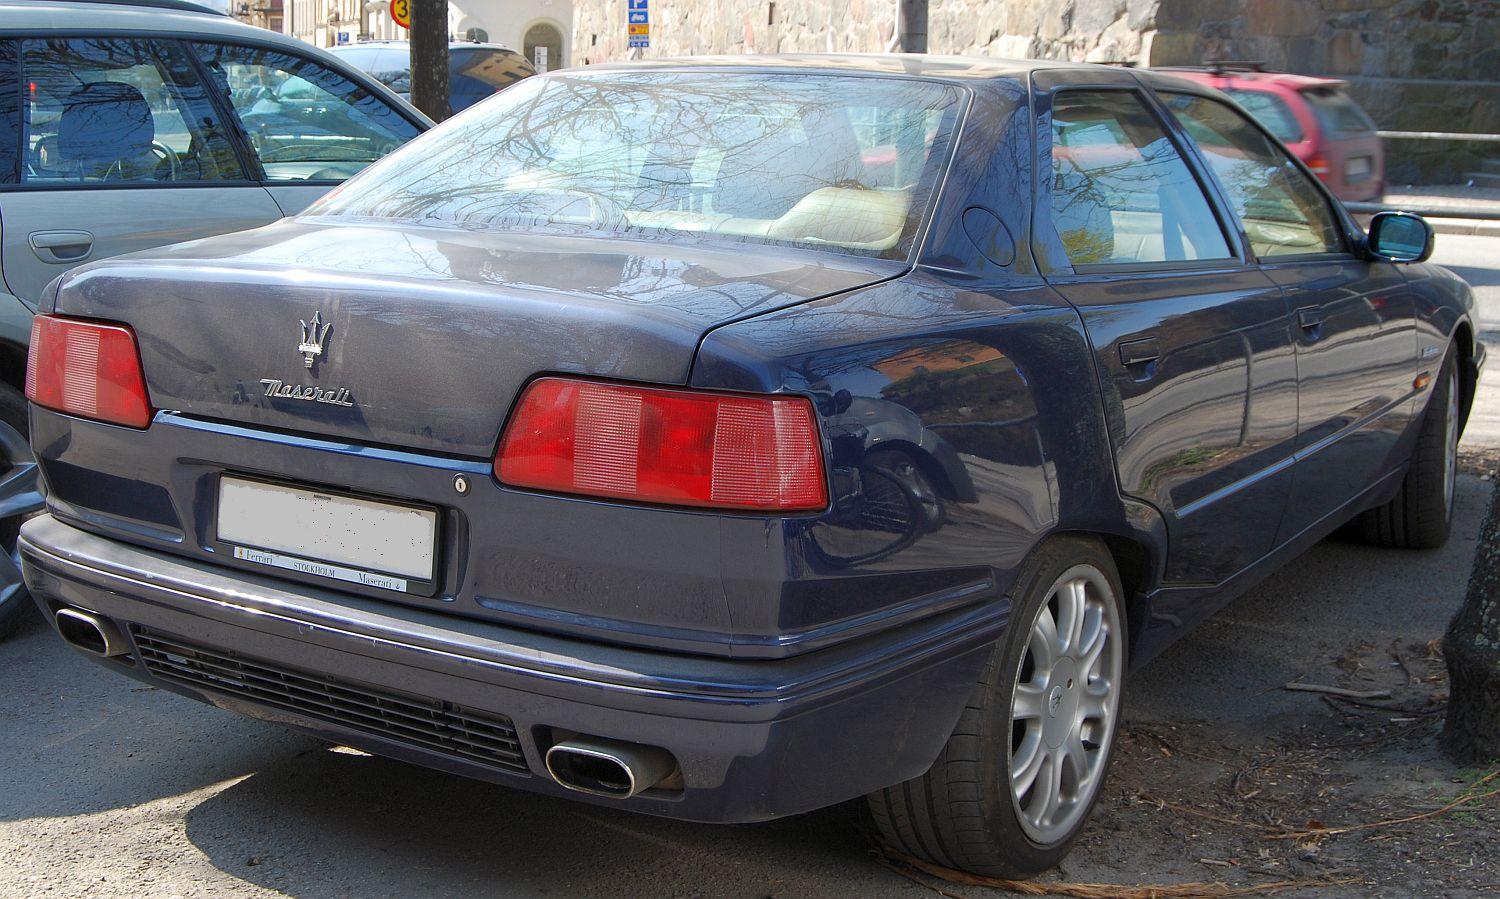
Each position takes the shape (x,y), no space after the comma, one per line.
(1316,119)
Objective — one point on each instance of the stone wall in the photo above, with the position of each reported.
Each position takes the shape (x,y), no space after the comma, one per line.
(1415,65)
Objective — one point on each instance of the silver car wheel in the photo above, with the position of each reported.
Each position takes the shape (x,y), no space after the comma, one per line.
(1065,703)
(1450,443)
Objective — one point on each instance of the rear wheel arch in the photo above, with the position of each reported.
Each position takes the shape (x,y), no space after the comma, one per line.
(1463,342)
(1136,563)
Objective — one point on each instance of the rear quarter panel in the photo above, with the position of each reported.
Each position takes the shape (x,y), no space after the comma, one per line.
(989,390)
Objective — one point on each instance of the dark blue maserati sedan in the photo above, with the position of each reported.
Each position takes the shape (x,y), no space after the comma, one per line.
(728,438)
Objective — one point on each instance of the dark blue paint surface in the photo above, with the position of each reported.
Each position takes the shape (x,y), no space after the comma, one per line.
(972,404)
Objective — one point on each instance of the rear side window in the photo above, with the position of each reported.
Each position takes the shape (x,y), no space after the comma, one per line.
(1272,112)
(1283,212)
(1121,192)
(1338,115)
(105,110)
(10,113)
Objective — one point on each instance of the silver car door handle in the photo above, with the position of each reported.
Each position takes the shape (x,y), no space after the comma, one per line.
(61,247)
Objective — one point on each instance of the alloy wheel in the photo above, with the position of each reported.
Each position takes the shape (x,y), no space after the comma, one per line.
(1065,703)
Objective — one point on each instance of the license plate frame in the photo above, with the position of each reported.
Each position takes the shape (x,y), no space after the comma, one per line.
(336,573)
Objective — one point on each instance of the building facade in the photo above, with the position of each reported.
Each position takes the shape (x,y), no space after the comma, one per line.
(522,25)
(260,13)
(1415,65)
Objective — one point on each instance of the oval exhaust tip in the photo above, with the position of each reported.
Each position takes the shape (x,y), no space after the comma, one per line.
(609,768)
(90,632)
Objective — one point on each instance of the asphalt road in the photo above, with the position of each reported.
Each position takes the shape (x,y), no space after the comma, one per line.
(111,788)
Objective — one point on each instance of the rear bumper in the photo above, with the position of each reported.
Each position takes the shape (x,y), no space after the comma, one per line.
(754,739)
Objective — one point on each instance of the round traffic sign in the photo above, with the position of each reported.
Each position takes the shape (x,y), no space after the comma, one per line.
(401,13)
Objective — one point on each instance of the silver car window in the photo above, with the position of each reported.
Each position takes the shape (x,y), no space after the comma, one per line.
(305,122)
(132,111)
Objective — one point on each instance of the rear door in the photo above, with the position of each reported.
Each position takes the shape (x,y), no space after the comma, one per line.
(1192,340)
(121,150)
(310,127)
(1355,331)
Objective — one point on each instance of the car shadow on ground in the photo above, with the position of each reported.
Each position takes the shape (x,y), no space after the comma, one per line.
(335,824)
(80,741)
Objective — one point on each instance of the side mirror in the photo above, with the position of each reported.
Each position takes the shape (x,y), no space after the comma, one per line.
(1399,237)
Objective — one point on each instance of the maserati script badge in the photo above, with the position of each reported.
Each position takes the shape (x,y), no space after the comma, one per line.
(334,396)
(314,337)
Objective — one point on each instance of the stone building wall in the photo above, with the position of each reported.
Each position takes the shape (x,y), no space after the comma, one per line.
(1416,65)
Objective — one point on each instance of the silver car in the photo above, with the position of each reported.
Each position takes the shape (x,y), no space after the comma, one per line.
(129,124)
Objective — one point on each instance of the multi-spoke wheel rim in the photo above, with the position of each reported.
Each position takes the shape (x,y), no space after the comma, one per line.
(1063,710)
(1450,443)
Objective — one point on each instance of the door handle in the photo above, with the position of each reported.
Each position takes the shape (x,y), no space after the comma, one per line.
(61,247)
(1140,352)
(1310,318)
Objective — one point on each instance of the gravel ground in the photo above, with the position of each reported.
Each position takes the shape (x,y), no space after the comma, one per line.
(109,788)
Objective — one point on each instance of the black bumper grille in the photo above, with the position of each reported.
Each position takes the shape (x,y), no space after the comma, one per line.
(442,727)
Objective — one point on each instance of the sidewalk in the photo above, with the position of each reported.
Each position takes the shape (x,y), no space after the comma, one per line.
(1450,195)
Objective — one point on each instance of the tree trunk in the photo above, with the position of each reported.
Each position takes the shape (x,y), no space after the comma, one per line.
(429,57)
(1472,649)
(911,25)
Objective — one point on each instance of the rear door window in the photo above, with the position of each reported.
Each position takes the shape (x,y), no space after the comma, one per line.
(104,110)
(304,121)
(1282,210)
(1121,192)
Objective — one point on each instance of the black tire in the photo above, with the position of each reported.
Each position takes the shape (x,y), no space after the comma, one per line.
(13,609)
(961,813)
(1421,514)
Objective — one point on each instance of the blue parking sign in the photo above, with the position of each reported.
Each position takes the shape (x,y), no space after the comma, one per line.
(637,4)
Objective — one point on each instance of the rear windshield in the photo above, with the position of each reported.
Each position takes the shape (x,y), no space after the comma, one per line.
(840,162)
(1271,111)
(1338,115)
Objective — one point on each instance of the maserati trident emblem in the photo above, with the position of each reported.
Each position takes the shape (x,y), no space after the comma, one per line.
(314,337)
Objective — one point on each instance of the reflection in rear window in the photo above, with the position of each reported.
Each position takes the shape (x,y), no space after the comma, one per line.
(841,162)
(1272,112)
(1337,113)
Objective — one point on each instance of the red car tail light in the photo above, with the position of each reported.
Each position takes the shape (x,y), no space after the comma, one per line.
(88,369)
(659,445)
(1318,164)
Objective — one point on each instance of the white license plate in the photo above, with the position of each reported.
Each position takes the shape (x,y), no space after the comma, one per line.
(342,537)
(1357,167)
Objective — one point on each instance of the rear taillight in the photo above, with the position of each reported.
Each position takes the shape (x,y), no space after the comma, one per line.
(656,445)
(88,369)
(1318,164)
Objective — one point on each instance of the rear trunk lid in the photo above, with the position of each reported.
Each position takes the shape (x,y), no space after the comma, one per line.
(421,337)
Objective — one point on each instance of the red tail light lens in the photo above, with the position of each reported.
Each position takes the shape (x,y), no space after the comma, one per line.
(655,445)
(88,369)
(1318,164)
